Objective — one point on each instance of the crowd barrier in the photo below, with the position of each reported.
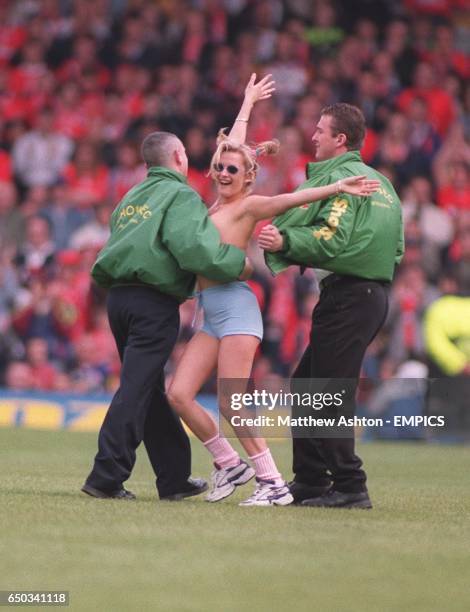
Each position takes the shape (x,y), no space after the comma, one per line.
(55,411)
(73,412)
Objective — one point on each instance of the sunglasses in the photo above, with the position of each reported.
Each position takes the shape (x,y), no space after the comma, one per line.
(230,169)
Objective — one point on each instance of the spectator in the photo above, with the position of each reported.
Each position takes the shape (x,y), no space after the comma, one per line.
(436,228)
(11,220)
(410,296)
(395,149)
(43,373)
(70,295)
(62,216)
(84,61)
(454,192)
(40,155)
(34,317)
(460,266)
(440,104)
(128,171)
(291,160)
(90,373)
(424,139)
(95,232)
(37,252)
(86,178)
(290,75)
(18,376)
(69,116)
(199,154)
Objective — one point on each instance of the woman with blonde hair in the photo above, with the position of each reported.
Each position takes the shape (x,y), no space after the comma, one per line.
(233,326)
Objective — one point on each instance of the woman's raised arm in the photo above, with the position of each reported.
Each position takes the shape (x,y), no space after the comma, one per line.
(253,93)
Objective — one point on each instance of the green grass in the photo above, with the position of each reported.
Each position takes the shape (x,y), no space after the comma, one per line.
(412,552)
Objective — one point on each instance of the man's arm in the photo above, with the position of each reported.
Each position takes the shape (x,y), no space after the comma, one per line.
(317,244)
(194,241)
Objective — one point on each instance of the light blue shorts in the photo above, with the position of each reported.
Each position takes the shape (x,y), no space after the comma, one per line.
(231,309)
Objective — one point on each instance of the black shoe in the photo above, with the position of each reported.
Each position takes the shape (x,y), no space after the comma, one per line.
(301,491)
(118,494)
(193,486)
(336,499)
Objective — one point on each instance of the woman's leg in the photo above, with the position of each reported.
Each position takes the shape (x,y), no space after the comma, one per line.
(236,355)
(196,365)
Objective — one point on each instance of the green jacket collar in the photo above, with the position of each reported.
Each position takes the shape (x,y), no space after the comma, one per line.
(329,165)
(166,173)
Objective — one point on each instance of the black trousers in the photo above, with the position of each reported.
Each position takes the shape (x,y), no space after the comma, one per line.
(145,326)
(348,315)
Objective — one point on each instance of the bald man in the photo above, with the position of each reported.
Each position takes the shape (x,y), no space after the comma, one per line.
(161,237)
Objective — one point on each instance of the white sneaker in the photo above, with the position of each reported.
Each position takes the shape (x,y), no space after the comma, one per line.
(225,480)
(269,494)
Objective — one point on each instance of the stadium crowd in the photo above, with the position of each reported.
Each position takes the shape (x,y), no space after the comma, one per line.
(82,83)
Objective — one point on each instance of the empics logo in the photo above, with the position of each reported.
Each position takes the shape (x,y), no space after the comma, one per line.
(418,421)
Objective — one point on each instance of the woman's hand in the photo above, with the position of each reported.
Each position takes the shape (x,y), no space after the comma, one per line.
(261,90)
(357,185)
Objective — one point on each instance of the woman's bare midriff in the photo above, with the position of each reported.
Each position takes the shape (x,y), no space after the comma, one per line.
(235,227)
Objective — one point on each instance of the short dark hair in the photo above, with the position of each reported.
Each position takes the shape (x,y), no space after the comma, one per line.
(348,120)
(155,148)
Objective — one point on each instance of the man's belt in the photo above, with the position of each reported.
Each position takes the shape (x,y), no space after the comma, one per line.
(346,278)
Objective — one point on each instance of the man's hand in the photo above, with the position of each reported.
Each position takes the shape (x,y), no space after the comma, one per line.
(261,91)
(247,270)
(270,239)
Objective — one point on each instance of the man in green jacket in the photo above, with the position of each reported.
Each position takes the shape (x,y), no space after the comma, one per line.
(355,244)
(161,237)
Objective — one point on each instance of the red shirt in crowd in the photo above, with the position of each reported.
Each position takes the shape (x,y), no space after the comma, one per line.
(442,8)
(43,376)
(5,166)
(201,183)
(453,199)
(90,188)
(12,38)
(441,109)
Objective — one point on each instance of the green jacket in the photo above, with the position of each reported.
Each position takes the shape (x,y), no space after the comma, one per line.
(359,236)
(447,333)
(161,235)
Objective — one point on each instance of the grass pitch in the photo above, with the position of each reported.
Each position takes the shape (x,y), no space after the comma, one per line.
(412,552)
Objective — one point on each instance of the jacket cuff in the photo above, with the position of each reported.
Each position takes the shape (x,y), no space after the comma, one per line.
(285,242)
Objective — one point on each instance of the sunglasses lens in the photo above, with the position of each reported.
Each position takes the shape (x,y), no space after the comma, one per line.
(230,169)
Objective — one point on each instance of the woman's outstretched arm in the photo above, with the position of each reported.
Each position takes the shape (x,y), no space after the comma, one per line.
(263,207)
